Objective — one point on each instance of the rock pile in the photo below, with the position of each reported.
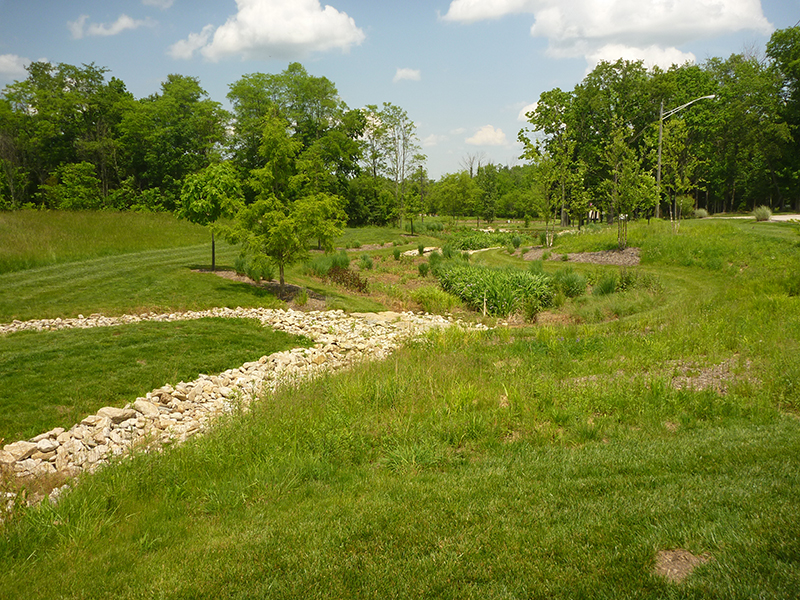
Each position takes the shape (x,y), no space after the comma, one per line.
(172,414)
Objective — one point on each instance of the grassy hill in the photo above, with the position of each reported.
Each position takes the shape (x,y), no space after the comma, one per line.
(553,460)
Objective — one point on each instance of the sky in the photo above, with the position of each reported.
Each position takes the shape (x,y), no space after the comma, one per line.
(465,71)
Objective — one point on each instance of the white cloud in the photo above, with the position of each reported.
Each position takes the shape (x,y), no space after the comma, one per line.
(470,11)
(278,28)
(79,28)
(408,74)
(162,4)
(488,136)
(13,66)
(185,49)
(522,117)
(649,30)
(434,140)
(652,56)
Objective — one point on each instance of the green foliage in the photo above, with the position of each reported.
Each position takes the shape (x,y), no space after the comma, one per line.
(319,266)
(396,253)
(469,239)
(500,292)
(365,262)
(423,269)
(569,282)
(607,284)
(701,213)
(348,279)
(74,187)
(762,213)
(434,300)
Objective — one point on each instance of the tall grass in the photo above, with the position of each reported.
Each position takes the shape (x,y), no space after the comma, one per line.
(36,238)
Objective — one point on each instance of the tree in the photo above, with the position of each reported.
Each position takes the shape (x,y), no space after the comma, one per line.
(320,216)
(455,194)
(628,189)
(266,228)
(208,195)
(401,149)
(74,186)
(170,135)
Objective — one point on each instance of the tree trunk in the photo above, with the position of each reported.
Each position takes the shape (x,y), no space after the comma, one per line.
(213,253)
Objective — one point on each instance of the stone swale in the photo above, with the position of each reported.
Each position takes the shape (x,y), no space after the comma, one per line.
(171,414)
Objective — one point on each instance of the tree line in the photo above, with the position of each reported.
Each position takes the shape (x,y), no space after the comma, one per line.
(613,146)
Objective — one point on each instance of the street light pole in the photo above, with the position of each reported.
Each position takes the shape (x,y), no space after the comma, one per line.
(661,116)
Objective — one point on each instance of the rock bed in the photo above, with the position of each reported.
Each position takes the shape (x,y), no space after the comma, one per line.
(172,414)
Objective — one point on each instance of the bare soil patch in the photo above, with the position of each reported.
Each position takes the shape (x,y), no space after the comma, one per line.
(624,258)
(676,565)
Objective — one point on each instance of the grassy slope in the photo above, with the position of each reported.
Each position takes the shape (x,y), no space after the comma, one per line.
(541,462)
(56,379)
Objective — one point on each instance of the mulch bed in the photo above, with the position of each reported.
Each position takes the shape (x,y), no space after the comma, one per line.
(623,258)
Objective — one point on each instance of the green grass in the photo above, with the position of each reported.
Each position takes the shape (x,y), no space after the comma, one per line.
(470,480)
(57,378)
(37,238)
(552,461)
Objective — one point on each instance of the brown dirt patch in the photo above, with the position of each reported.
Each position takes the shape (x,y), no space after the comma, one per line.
(676,565)
(623,258)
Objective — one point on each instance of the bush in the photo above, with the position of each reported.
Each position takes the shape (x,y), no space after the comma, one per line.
(762,213)
(500,291)
(423,269)
(447,251)
(321,265)
(516,241)
(421,249)
(531,308)
(433,300)
(607,284)
(365,262)
(347,278)
(396,253)
(701,213)
(301,298)
(570,283)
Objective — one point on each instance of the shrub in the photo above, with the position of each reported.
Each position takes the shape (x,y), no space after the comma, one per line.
(701,213)
(762,213)
(500,291)
(348,279)
(433,300)
(301,298)
(570,283)
(365,262)
(447,251)
(396,253)
(354,244)
(423,269)
(240,264)
(321,265)
(421,249)
(531,308)
(516,241)
(607,284)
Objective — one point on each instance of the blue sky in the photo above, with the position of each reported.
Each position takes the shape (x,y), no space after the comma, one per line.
(462,69)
